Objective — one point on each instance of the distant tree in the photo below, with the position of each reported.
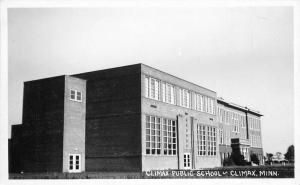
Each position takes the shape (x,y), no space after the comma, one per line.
(254,158)
(238,158)
(290,154)
(269,156)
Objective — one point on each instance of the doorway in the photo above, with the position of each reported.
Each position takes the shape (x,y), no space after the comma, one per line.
(74,163)
(187,161)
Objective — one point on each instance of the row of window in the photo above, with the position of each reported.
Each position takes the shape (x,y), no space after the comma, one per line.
(161,137)
(206,140)
(230,118)
(204,103)
(165,92)
(237,121)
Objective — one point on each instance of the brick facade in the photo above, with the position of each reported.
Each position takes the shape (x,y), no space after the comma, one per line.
(108,128)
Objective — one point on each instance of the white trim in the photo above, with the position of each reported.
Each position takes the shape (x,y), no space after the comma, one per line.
(187,160)
(74,168)
(76,95)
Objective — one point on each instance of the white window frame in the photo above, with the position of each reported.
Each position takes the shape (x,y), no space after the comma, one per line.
(152,90)
(168,93)
(185,98)
(76,95)
(211,141)
(221,136)
(201,140)
(161,136)
(187,161)
(72,164)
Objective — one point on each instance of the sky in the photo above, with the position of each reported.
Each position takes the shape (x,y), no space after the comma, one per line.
(245,54)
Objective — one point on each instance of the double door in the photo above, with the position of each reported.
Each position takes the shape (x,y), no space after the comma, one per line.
(74,163)
(187,161)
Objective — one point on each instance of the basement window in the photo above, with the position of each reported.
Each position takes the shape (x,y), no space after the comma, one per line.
(75,95)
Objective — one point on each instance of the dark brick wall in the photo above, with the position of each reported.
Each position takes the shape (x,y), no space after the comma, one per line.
(113,119)
(43,100)
(117,164)
(15,149)
(37,143)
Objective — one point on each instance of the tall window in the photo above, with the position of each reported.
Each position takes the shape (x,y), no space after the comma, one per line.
(212,104)
(211,141)
(152,88)
(147,87)
(184,98)
(168,93)
(199,102)
(201,139)
(206,140)
(209,105)
(221,137)
(152,135)
(169,137)
(154,142)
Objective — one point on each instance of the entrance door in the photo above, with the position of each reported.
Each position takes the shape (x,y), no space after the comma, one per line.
(74,163)
(187,161)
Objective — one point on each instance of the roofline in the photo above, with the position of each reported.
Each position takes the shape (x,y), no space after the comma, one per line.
(245,109)
(178,78)
(47,78)
(106,69)
(74,75)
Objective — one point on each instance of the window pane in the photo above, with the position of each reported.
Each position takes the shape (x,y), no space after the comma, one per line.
(78,96)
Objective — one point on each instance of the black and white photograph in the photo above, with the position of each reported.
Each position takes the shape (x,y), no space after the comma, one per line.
(153,90)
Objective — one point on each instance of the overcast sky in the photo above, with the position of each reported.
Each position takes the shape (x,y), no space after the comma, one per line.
(244,54)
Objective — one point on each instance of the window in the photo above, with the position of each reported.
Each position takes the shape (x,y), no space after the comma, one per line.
(147,87)
(169,137)
(168,93)
(78,96)
(184,98)
(211,141)
(187,161)
(154,142)
(163,91)
(213,106)
(206,140)
(199,102)
(152,88)
(75,95)
(201,139)
(209,105)
(221,137)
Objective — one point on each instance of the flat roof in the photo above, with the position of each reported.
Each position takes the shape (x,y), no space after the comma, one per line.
(239,107)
